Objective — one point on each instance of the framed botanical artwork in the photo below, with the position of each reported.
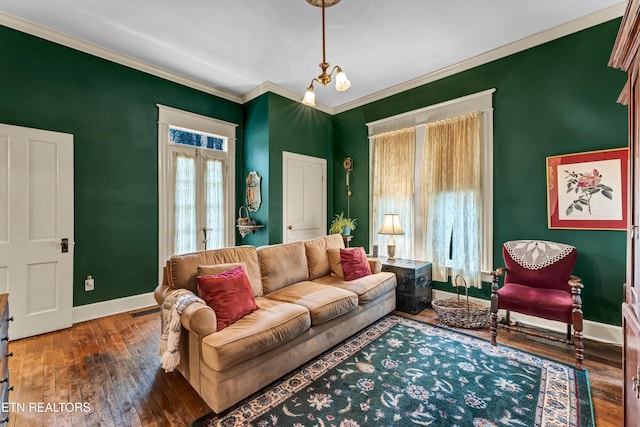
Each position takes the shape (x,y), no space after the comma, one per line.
(588,191)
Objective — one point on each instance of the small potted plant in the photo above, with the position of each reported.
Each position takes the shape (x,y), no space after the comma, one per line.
(342,225)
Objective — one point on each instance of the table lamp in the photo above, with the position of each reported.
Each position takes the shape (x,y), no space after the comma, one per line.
(391,226)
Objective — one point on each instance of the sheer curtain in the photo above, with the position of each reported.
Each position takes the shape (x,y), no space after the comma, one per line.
(185,203)
(393,183)
(452,197)
(214,196)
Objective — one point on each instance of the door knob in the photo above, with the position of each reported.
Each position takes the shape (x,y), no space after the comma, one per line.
(290,227)
(64,243)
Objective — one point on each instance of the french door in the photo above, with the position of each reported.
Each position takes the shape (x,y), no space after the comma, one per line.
(196,187)
(198,199)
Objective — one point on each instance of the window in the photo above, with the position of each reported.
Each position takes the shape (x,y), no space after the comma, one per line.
(196,158)
(189,137)
(421,229)
(452,193)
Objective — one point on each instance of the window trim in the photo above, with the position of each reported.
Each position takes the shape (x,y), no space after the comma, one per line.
(480,101)
(168,116)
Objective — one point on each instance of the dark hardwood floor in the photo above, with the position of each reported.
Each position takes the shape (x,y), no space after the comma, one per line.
(112,364)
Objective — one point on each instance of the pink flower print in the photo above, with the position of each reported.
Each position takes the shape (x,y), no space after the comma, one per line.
(589,180)
(585,185)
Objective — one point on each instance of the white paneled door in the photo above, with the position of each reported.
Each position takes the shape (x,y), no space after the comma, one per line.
(304,198)
(36,228)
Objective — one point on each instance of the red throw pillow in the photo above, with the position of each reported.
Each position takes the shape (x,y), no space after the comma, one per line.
(229,294)
(354,263)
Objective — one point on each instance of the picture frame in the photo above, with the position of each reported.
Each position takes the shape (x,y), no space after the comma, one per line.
(588,191)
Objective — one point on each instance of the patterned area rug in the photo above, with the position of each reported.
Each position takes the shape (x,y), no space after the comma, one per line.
(401,372)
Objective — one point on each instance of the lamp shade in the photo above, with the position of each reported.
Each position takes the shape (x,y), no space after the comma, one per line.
(342,82)
(309,97)
(391,225)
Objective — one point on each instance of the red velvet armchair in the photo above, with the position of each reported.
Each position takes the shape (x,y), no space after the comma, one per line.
(538,282)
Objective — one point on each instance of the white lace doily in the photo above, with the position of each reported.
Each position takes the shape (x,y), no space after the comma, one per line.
(537,254)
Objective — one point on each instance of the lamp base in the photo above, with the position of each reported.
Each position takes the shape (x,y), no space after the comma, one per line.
(391,252)
(391,248)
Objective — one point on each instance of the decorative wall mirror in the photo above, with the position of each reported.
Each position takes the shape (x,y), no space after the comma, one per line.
(254,198)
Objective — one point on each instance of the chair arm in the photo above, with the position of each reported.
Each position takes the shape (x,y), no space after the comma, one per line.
(494,278)
(576,289)
(494,301)
(576,314)
(575,282)
(498,272)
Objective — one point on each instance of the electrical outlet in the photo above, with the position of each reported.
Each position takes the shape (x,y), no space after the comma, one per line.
(89,284)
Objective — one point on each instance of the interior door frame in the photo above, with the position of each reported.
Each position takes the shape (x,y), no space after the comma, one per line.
(286,155)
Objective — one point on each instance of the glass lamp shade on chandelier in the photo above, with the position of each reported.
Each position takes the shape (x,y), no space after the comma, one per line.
(342,82)
(391,226)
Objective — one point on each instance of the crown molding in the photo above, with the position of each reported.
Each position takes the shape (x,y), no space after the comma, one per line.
(599,17)
(559,31)
(279,90)
(45,33)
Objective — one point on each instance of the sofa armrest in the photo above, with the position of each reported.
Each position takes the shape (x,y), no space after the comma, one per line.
(375,265)
(160,293)
(196,317)
(199,318)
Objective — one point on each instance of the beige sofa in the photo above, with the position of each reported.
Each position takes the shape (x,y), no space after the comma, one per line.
(303,311)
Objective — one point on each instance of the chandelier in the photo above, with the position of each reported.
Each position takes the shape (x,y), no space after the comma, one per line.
(342,83)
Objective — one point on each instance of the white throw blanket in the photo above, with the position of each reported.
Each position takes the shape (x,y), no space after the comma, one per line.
(172,309)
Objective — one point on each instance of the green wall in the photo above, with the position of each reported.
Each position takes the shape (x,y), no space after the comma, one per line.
(553,99)
(111,111)
(556,98)
(256,158)
(275,124)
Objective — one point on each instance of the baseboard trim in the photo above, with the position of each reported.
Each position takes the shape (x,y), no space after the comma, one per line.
(595,331)
(96,310)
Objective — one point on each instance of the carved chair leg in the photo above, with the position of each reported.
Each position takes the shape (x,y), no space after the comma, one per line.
(494,326)
(494,310)
(508,318)
(576,316)
(577,341)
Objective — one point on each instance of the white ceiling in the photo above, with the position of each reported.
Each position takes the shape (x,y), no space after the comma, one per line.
(236,45)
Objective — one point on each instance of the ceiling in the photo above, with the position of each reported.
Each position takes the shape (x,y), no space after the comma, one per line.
(237,45)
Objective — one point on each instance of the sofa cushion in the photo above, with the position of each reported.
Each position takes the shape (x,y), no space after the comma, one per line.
(368,288)
(282,265)
(275,323)
(183,268)
(354,263)
(316,250)
(323,302)
(375,264)
(335,264)
(229,294)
